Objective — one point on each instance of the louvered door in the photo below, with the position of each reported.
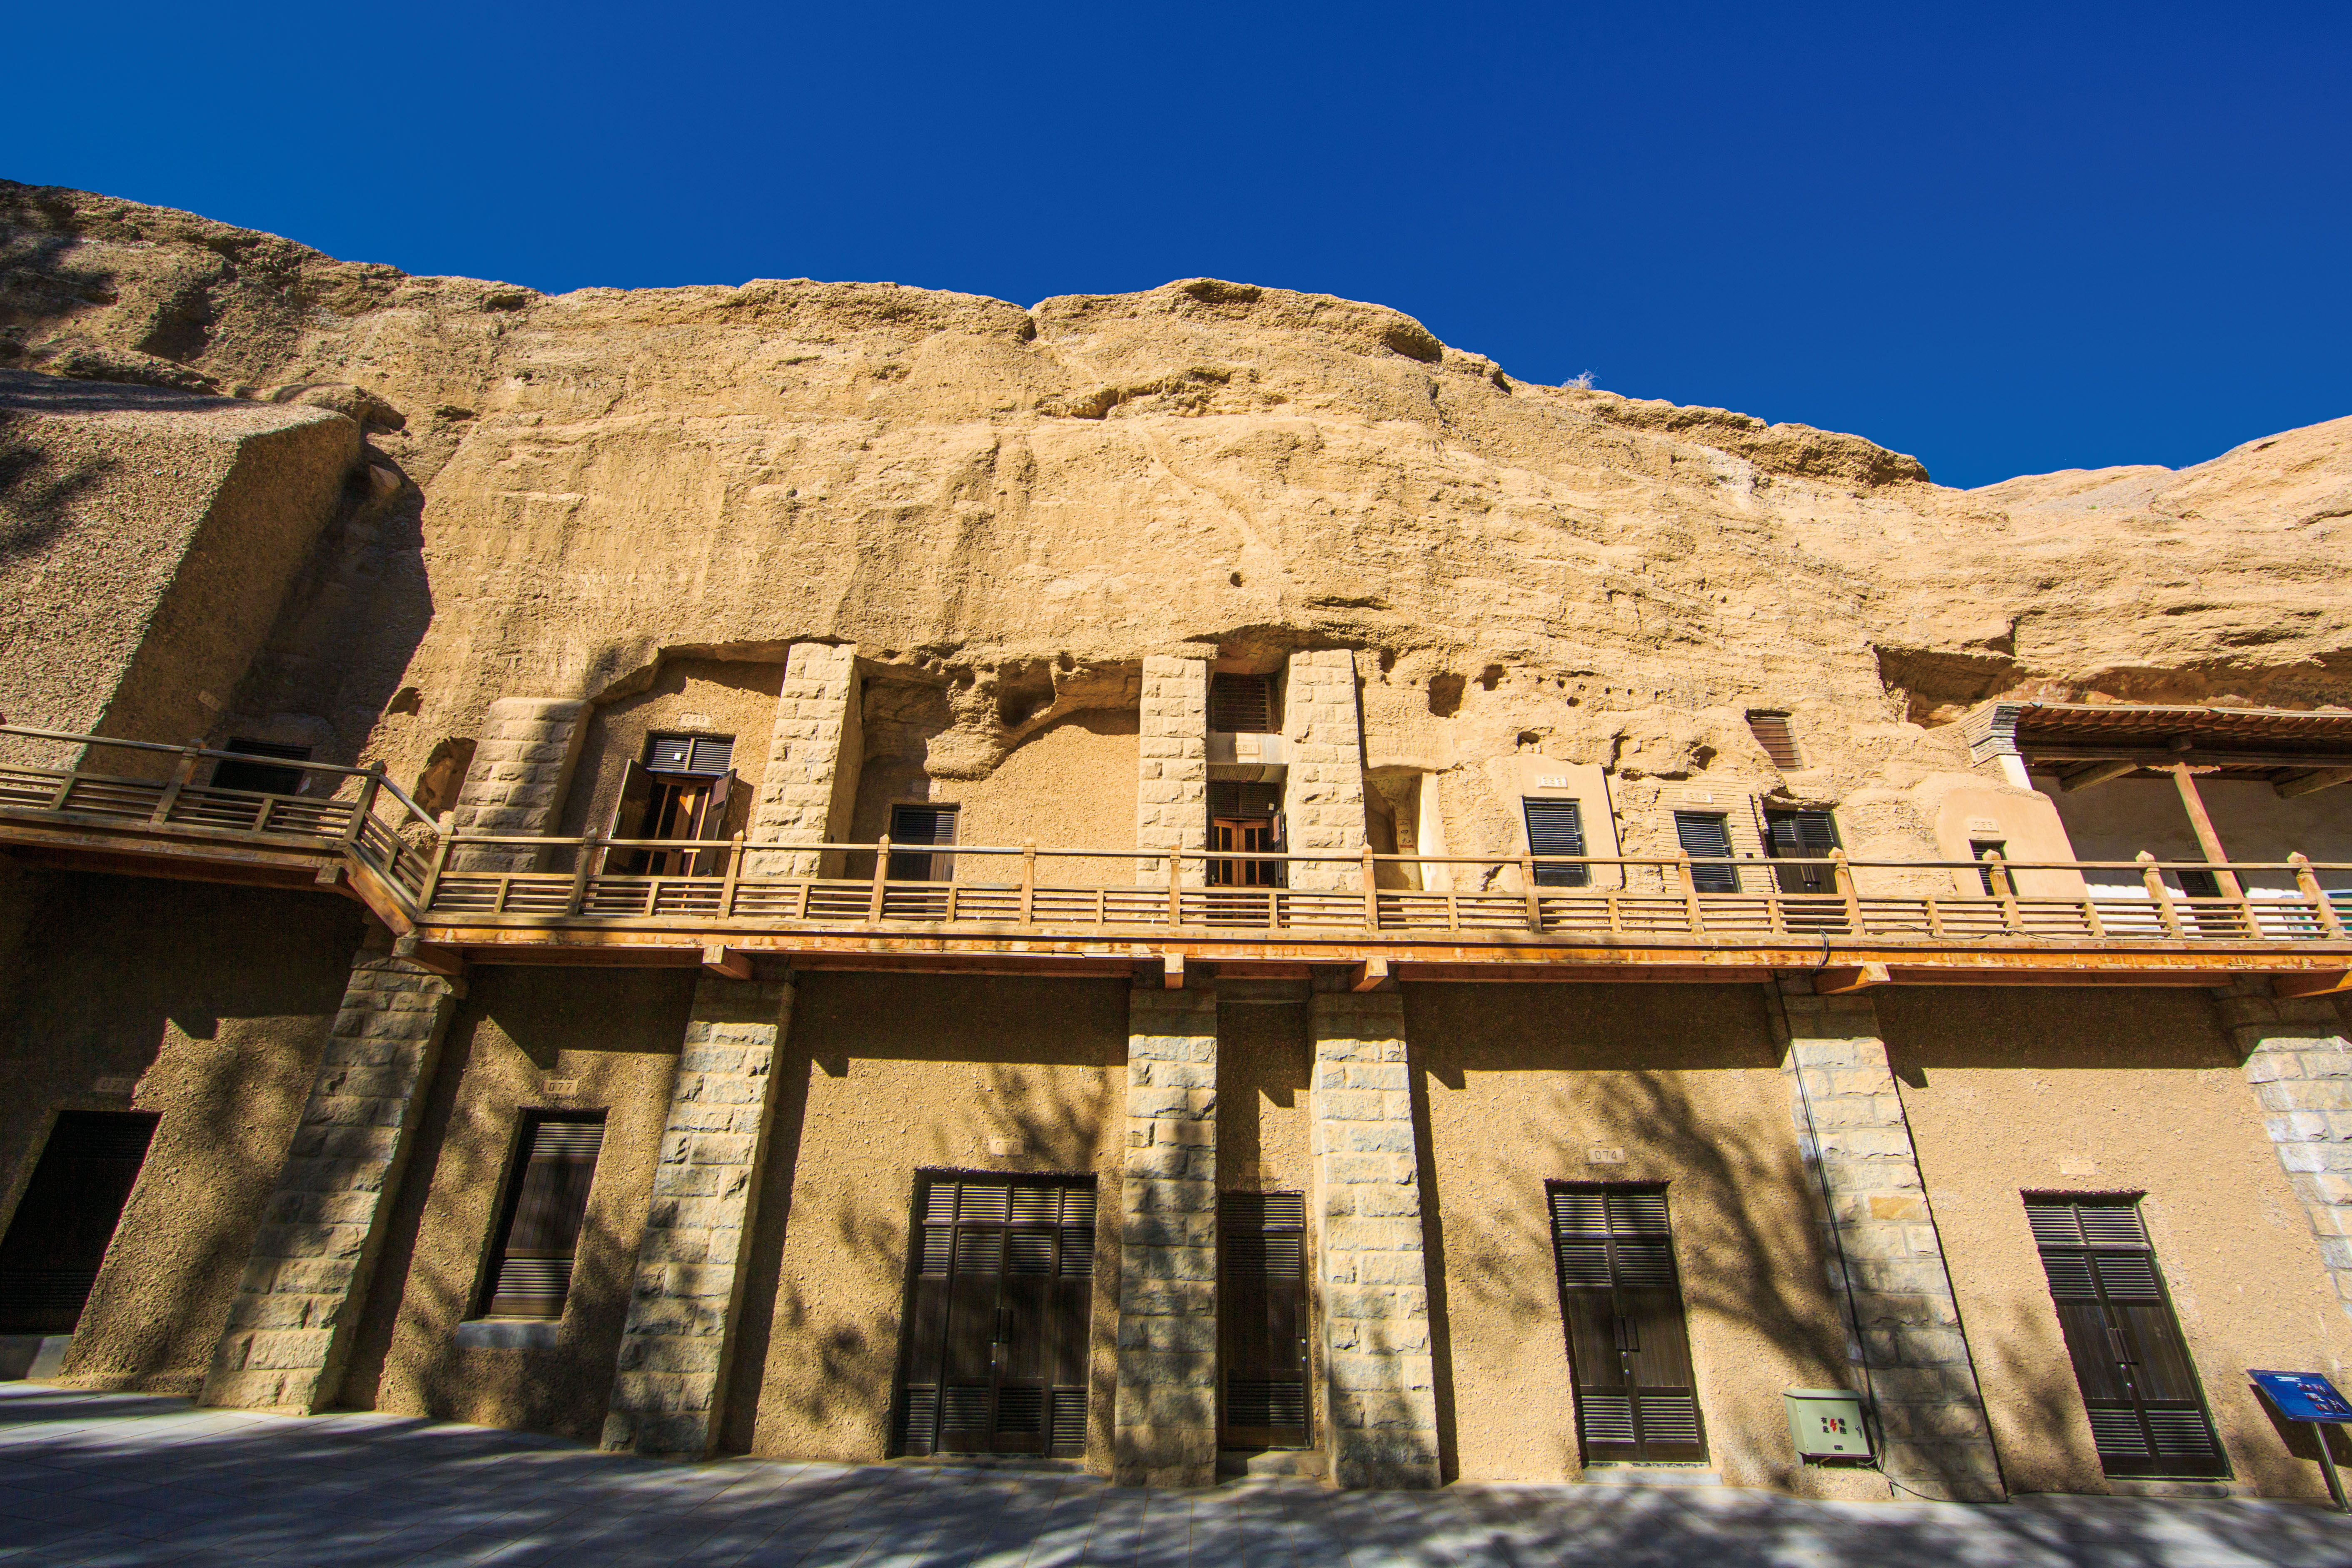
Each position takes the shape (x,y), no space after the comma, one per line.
(1262,1319)
(2139,1388)
(529,1272)
(1706,837)
(1556,827)
(1628,1347)
(994,1360)
(67,1218)
(1801,836)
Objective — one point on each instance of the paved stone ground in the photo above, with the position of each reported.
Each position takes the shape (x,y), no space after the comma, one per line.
(94,1480)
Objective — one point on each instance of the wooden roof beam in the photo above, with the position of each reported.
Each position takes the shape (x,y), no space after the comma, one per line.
(2092,773)
(2313,783)
(2055,753)
(2316,983)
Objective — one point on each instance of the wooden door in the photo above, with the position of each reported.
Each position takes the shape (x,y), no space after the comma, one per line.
(675,807)
(1629,1350)
(1244,836)
(2139,1387)
(1262,1325)
(551,1173)
(67,1218)
(995,1353)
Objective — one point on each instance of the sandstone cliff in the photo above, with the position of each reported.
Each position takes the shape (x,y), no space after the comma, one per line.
(1009,507)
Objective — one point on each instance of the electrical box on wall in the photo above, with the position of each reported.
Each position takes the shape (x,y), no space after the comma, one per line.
(1826,1423)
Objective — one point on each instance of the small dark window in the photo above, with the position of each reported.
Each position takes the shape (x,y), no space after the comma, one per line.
(689,753)
(2200,884)
(547,1199)
(1706,837)
(1556,827)
(1801,836)
(2139,1388)
(1241,704)
(912,825)
(1779,743)
(261,778)
(1980,847)
(67,1217)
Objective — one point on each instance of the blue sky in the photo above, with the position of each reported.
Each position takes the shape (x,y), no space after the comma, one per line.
(2004,240)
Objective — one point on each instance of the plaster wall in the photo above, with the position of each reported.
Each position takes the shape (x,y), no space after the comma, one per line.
(2080,1091)
(1265,1056)
(1070,785)
(886,1076)
(210,1006)
(1520,1085)
(567,1039)
(2029,826)
(2117,820)
(698,696)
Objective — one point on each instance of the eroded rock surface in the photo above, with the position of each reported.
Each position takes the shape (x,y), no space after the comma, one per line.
(1014,506)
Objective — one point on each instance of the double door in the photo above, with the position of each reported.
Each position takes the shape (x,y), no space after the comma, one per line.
(994,1360)
(1262,1356)
(1628,1348)
(2139,1388)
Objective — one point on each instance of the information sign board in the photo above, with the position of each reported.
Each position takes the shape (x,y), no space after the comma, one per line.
(2303,1395)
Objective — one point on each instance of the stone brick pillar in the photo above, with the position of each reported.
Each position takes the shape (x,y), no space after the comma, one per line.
(1371,1268)
(1166,1427)
(2301,1067)
(1854,1139)
(521,767)
(1172,795)
(1323,792)
(673,1364)
(305,1281)
(813,755)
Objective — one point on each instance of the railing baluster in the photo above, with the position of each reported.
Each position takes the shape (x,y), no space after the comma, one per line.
(433,871)
(1692,910)
(2307,883)
(1844,875)
(582,869)
(360,812)
(734,871)
(1028,881)
(181,776)
(1175,891)
(2012,919)
(1372,891)
(881,878)
(261,818)
(1535,898)
(2153,879)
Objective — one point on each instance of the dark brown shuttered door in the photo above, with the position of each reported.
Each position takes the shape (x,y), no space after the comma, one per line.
(995,1354)
(1241,704)
(547,1198)
(60,1234)
(1706,839)
(2139,1387)
(1556,827)
(1261,1318)
(1628,1349)
(1801,836)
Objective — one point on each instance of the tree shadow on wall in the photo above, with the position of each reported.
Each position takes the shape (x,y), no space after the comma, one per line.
(37,492)
(1746,1217)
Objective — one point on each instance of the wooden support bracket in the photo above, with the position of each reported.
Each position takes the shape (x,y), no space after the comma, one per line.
(431,957)
(1372,974)
(331,876)
(726,963)
(2097,773)
(1171,971)
(2311,784)
(2317,982)
(1839,979)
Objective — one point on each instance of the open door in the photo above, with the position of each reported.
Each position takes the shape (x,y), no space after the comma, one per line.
(66,1220)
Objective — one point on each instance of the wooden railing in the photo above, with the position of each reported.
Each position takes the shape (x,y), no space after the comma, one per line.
(430,876)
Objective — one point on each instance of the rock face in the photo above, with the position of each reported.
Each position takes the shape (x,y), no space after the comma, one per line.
(1013,507)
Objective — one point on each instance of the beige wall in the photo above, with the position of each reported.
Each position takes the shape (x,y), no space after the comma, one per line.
(2109,1091)
(2028,824)
(701,697)
(1523,1084)
(1265,1056)
(210,1006)
(613,1035)
(1070,785)
(885,1076)
(2117,820)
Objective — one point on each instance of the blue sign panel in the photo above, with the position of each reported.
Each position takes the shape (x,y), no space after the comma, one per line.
(2303,1395)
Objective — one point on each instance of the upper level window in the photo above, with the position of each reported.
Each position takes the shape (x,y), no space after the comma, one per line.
(261,777)
(1706,837)
(1980,847)
(690,753)
(914,825)
(1779,743)
(1242,704)
(1801,836)
(1556,827)
(684,789)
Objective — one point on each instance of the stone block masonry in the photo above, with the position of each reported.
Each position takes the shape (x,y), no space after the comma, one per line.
(2300,1064)
(814,753)
(673,1363)
(1172,794)
(1165,1430)
(297,1306)
(1372,1269)
(1885,1256)
(1323,792)
(521,767)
